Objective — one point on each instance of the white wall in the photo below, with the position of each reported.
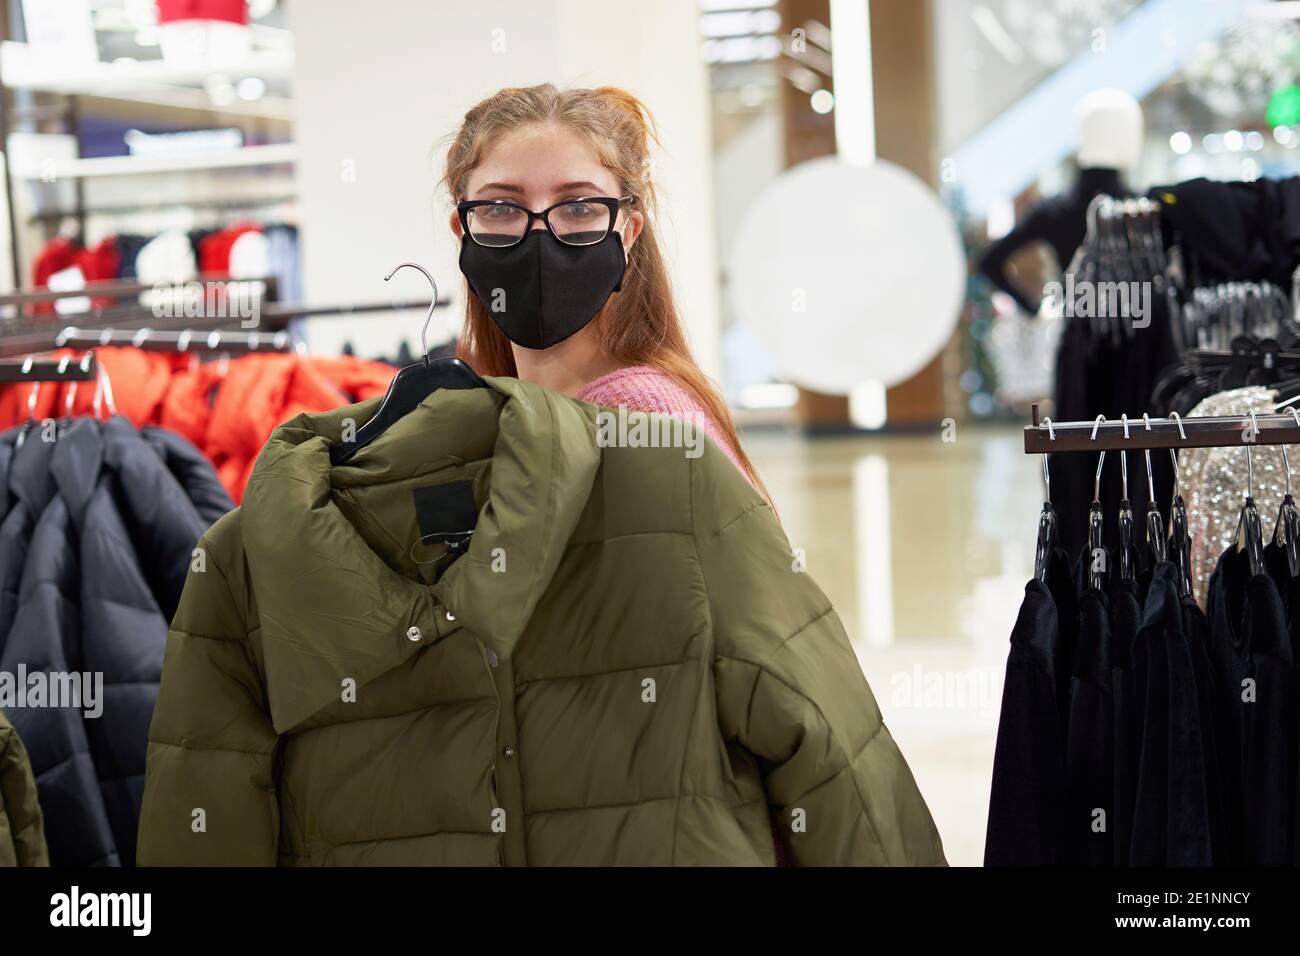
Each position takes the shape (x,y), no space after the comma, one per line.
(377,88)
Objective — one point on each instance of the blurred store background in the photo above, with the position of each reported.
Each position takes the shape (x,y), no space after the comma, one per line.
(145,141)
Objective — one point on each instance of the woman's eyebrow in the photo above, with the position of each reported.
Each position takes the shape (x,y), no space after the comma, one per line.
(504,187)
(581,185)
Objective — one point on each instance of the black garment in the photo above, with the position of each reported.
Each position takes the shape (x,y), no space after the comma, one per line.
(1090,756)
(1060,221)
(1290,588)
(1249,639)
(1062,581)
(1025,826)
(29,489)
(42,638)
(128,250)
(1171,818)
(1197,630)
(1126,619)
(101,580)
(1234,231)
(1269,768)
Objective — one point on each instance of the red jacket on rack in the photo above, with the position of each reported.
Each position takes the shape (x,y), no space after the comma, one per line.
(226,409)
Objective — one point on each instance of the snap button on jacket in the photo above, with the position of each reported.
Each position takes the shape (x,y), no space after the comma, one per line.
(631,671)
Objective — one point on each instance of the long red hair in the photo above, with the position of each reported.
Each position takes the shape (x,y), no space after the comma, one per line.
(640,325)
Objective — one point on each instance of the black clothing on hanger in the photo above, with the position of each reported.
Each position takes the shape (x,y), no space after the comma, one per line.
(1248,627)
(1028,789)
(1234,231)
(1090,746)
(1171,824)
(1126,620)
(1197,630)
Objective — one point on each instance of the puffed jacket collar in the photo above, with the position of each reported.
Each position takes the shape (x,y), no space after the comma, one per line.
(331,608)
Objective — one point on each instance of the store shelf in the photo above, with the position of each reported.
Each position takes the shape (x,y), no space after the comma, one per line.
(146,81)
(146,165)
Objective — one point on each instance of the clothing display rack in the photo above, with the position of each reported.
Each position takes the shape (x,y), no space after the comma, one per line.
(65,369)
(1045,437)
(114,209)
(118,289)
(21,338)
(187,340)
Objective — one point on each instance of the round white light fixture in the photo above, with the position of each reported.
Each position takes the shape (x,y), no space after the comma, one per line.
(1180,143)
(848,274)
(822,101)
(251,88)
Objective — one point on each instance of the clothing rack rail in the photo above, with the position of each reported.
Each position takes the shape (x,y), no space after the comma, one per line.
(187,340)
(65,369)
(39,336)
(113,209)
(1044,437)
(118,288)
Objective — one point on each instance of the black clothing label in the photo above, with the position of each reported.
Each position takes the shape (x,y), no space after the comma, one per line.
(446,513)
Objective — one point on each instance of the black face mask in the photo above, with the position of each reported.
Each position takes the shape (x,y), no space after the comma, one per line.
(540,291)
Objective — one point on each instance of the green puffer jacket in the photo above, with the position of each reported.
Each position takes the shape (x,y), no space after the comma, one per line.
(624,668)
(22,832)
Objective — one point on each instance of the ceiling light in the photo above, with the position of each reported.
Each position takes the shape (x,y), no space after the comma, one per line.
(251,88)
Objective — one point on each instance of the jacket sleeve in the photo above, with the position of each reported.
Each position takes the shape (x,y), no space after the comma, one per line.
(22,829)
(209,793)
(790,690)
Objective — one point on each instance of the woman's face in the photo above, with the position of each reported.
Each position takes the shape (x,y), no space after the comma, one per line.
(540,164)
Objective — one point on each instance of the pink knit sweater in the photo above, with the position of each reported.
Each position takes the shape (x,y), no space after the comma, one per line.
(644,389)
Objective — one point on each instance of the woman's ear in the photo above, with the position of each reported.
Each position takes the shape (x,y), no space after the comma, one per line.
(455,225)
(631,229)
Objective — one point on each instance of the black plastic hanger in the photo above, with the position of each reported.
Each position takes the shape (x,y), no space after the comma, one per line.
(410,386)
(1126,570)
(1155,522)
(1047,533)
(1180,541)
(1286,530)
(1250,533)
(1245,357)
(1096,556)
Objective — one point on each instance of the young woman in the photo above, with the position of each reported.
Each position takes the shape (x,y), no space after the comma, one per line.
(628,673)
(591,315)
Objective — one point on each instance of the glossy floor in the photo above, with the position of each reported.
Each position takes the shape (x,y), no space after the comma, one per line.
(924,546)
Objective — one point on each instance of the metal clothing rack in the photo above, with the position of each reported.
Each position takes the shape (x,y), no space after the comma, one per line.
(65,369)
(112,209)
(187,340)
(39,336)
(1045,437)
(121,288)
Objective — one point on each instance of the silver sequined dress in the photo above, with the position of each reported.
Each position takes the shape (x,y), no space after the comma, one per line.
(1214,481)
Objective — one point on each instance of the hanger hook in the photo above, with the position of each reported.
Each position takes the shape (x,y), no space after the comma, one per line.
(1286,462)
(1096,425)
(1123,460)
(1151,485)
(1047,477)
(1101,460)
(1250,467)
(424,329)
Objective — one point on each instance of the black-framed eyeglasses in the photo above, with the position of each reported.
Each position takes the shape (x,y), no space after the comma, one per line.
(501,223)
